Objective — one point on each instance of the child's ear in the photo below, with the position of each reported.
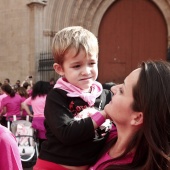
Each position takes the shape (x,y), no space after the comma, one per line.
(58,69)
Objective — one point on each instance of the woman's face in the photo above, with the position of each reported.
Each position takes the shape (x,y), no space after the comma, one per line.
(120,107)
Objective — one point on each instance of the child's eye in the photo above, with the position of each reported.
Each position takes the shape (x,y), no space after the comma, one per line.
(92,63)
(76,66)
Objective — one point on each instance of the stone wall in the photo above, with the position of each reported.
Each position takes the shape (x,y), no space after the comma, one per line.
(14,40)
(27,28)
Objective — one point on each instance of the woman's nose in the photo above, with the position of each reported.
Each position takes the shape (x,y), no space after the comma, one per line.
(114,89)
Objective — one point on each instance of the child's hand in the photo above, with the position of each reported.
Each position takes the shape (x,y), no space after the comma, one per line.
(105,114)
(86,113)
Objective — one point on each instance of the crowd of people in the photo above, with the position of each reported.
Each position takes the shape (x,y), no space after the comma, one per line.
(86,127)
(21,100)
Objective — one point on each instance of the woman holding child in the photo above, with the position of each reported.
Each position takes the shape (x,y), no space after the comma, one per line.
(140,110)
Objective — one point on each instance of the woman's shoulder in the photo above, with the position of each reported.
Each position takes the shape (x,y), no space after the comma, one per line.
(3,96)
(3,129)
(23,98)
(6,99)
(5,133)
(18,96)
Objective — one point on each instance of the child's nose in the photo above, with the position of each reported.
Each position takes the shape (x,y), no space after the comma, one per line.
(86,71)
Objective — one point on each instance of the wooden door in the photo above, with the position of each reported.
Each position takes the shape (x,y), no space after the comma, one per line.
(130,32)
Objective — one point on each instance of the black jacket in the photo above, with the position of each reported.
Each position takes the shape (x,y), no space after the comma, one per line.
(70,142)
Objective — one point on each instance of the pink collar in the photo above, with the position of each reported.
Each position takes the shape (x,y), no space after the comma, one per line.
(74,91)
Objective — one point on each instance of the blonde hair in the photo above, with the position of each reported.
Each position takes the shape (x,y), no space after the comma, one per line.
(73,37)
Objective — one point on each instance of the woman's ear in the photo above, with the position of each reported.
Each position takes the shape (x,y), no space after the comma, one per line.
(58,69)
(137,118)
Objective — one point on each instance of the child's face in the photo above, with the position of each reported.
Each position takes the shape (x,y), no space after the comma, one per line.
(80,70)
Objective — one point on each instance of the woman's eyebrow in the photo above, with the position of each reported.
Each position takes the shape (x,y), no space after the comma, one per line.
(124,85)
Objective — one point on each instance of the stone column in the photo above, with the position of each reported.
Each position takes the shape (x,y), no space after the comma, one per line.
(36,34)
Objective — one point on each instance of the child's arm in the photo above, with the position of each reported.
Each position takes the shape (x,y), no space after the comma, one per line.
(98,117)
(61,122)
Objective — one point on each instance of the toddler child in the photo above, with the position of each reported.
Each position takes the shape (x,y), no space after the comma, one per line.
(72,141)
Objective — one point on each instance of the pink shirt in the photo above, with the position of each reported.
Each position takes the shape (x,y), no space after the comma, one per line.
(37,104)
(1,97)
(106,156)
(12,104)
(9,157)
(24,113)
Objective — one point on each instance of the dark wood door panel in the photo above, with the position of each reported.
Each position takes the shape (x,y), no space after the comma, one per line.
(131,31)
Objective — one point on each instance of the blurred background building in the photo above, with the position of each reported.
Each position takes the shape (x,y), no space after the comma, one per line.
(129,31)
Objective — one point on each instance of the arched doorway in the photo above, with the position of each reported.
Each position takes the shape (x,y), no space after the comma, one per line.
(131,31)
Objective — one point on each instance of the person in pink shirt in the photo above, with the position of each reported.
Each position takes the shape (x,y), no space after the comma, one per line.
(10,105)
(28,84)
(2,95)
(9,157)
(1,89)
(24,95)
(140,110)
(37,101)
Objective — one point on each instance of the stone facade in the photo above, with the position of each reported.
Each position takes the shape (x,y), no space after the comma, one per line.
(27,28)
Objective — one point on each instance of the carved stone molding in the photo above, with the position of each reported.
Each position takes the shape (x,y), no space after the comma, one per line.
(49,33)
(40,2)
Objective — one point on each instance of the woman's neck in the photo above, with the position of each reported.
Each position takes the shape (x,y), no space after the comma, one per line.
(117,149)
(121,144)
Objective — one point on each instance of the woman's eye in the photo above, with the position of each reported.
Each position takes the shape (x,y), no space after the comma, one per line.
(121,90)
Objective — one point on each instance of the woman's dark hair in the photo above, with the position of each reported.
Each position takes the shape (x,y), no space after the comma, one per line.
(8,89)
(8,80)
(22,92)
(40,88)
(26,84)
(152,142)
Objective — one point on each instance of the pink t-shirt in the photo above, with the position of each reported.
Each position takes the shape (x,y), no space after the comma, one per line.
(12,104)
(9,157)
(1,97)
(106,156)
(37,104)
(24,113)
